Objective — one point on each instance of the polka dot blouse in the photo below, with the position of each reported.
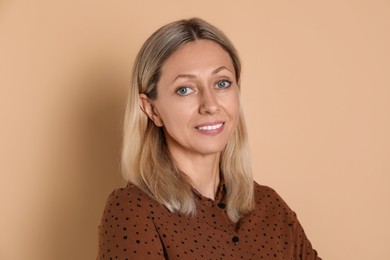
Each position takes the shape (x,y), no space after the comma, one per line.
(134,226)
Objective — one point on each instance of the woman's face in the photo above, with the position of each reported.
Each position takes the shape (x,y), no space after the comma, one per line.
(197,100)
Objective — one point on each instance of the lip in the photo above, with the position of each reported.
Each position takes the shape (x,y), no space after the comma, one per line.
(211,128)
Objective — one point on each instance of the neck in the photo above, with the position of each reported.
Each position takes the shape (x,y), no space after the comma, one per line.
(202,171)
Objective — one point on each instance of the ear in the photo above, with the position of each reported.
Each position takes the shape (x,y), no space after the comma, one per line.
(148,108)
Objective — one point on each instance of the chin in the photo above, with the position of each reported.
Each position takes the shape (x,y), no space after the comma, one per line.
(211,150)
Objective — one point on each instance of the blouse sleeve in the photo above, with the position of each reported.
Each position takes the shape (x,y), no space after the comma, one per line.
(126,230)
(302,246)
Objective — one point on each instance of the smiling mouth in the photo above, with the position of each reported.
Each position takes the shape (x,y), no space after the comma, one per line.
(209,127)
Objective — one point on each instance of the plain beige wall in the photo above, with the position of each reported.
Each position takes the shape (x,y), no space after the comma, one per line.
(316,91)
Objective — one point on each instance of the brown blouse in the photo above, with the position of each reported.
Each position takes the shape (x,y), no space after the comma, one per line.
(134,226)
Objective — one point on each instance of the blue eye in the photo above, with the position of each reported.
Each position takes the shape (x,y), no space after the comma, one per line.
(184,91)
(223,84)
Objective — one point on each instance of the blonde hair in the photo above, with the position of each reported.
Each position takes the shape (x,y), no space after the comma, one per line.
(146,161)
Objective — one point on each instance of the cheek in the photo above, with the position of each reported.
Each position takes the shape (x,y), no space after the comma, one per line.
(175,117)
(235,114)
(233,106)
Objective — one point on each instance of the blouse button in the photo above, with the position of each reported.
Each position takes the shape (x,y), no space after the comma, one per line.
(221,205)
(235,239)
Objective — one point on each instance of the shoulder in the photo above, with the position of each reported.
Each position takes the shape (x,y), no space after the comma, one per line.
(127,202)
(126,227)
(267,199)
(263,192)
(129,191)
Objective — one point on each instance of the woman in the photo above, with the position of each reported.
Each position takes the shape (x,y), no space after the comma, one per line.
(190,191)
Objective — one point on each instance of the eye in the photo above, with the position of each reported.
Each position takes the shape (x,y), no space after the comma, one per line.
(223,84)
(184,91)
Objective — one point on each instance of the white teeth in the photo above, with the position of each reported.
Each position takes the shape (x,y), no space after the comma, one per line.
(210,127)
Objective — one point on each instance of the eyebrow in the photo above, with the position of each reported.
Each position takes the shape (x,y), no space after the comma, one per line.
(191,76)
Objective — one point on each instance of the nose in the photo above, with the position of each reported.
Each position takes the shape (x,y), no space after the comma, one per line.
(209,103)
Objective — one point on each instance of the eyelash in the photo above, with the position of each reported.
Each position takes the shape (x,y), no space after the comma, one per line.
(218,82)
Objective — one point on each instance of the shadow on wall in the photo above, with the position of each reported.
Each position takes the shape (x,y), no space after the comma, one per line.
(86,161)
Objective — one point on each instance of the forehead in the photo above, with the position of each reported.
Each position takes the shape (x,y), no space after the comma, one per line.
(197,56)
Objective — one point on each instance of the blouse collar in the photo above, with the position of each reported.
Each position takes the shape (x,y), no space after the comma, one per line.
(219,196)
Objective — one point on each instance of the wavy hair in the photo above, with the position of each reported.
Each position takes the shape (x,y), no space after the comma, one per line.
(146,161)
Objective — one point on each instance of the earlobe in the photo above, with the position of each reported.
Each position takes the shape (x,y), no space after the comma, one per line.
(147,107)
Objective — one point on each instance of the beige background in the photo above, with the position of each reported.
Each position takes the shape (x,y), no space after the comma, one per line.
(316,90)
